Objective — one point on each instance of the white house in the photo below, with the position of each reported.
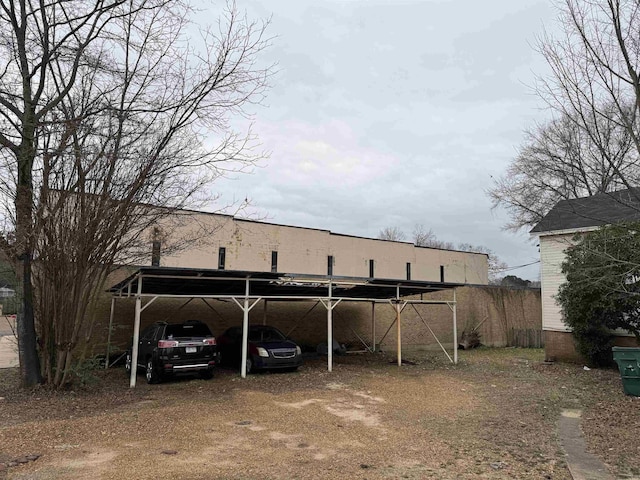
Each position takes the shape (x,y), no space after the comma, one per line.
(556,232)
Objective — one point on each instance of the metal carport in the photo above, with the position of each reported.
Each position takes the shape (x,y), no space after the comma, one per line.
(247,288)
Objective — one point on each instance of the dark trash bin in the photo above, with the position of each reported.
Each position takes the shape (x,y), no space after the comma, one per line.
(628,360)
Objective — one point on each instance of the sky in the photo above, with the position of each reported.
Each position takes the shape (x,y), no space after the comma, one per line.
(394,113)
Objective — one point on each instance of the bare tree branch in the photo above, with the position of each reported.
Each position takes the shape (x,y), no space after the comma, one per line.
(119,124)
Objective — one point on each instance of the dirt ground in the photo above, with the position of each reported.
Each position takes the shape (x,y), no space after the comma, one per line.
(491,416)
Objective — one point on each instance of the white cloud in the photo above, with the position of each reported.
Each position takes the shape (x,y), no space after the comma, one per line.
(395,113)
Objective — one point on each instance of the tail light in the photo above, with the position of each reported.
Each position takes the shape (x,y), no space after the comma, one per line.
(167,343)
(209,341)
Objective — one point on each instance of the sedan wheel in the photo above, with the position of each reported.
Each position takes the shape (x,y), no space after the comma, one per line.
(249,365)
(151,373)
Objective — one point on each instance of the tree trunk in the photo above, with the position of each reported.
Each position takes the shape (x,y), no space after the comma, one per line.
(25,325)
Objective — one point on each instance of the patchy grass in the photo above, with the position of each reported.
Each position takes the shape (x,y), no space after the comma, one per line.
(491,416)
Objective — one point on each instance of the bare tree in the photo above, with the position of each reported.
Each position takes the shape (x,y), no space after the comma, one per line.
(392,233)
(427,238)
(422,237)
(496,266)
(113,117)
(561,160)
(594,94)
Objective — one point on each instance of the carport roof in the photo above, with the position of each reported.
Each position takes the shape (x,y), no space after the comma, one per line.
(189,282)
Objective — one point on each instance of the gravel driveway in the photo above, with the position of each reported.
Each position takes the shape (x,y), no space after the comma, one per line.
(492,416)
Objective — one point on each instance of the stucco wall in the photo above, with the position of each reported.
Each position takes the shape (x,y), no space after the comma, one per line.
(249,244)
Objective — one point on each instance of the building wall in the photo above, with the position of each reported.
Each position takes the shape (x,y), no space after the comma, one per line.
(559,342)
(552,249)
(560,346)
(193,240)
(249,246)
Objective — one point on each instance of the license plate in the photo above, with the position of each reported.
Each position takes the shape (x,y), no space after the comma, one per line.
(191,349)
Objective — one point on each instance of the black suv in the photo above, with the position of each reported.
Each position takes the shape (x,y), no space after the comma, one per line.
(166,349)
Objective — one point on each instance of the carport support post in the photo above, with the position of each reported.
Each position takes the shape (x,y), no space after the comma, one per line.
(329,332)
(136,336)
(399,329)
(373,327)
(455,330)
(245,331)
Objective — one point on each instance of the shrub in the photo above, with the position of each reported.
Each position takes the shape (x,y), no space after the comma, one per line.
(602,288)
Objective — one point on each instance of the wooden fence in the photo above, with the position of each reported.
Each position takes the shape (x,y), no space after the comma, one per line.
(525,338)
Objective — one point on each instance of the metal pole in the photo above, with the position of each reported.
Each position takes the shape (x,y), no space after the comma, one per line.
(373,327)
(113,306)
(245,331)
(399,329)
(455,330)
(329,332)
(136,336)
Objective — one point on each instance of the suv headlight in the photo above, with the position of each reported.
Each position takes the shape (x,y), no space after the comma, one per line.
(262,352)
(298,350)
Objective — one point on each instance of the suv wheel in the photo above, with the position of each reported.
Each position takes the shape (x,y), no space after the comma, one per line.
(151,372)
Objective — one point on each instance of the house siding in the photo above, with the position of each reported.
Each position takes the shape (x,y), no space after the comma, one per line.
(552,255)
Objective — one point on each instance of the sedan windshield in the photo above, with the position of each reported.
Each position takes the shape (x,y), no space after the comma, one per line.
(266,335)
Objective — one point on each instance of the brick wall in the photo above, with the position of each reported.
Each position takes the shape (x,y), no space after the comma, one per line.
(560,346)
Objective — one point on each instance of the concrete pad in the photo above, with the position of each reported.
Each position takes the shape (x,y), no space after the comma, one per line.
(8,351)
(582,465)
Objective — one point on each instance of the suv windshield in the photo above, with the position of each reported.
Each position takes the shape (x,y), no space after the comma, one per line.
(187,330)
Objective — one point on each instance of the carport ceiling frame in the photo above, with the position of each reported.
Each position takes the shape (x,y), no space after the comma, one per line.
(247,288)
(168,282)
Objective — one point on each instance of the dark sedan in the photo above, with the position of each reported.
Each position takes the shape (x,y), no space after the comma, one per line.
(268,349)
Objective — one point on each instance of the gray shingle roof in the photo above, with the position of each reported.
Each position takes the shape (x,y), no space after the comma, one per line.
(594,211)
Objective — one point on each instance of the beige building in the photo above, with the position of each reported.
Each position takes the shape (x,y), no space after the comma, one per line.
(201,245)
(237,244)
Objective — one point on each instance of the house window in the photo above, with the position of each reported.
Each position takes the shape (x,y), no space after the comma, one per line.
(408,271)
(155,253)
(371,268)
(274,261)
(330,265)
(221,257)
(442,273)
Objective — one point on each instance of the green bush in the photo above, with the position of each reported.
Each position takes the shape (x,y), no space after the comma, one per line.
(602,289)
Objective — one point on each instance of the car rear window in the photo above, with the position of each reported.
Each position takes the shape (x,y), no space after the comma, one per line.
(188,330)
